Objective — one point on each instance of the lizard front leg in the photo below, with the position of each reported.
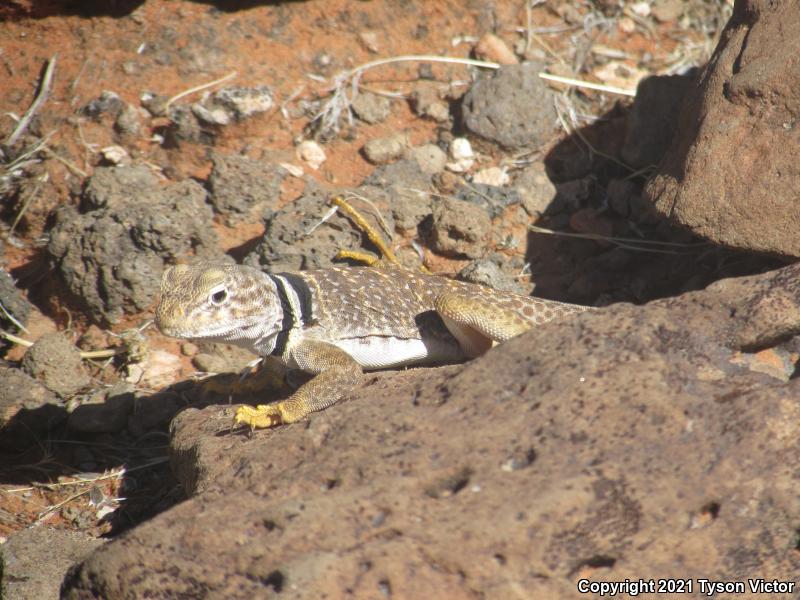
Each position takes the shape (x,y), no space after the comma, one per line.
(336,374)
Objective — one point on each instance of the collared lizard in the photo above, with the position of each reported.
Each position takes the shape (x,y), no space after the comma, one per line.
(337,322)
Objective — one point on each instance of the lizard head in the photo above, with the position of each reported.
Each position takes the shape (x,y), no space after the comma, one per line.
(224,303)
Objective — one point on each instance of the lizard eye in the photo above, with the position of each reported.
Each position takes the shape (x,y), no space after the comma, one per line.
(218,297)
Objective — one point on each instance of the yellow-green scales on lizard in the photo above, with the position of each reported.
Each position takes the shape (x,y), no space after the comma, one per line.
(335,323)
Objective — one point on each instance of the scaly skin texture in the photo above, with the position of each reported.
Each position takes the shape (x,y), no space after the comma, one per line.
(334,323)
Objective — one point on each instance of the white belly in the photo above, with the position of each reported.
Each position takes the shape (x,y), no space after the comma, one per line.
(385,352)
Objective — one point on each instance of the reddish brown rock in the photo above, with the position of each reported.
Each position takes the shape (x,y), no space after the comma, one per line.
(624,443)
(731,174)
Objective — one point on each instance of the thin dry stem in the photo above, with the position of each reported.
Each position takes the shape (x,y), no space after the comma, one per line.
(623,242)
(600,87)
(41,98)
(199,88)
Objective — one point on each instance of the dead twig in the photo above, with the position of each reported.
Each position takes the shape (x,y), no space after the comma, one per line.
(41,98)
(12,318)
(198,88)
(40,181)
(627,243)
(589,85)
(85,354)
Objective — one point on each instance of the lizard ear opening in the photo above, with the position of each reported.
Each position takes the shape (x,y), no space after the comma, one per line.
(218,297)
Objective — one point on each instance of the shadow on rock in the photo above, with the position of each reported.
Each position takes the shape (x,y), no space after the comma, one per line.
(41,9)
(103,466)
(624,249)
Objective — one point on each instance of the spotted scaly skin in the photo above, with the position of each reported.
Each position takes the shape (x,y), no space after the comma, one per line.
(335,323)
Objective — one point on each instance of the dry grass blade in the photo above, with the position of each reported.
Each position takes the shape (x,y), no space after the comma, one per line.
(627,243)
(31,196)
(85,354)
(588,85)
(11,173)
(198,88)
(41,98)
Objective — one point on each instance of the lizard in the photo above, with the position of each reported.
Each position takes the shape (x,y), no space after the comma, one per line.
(335,323)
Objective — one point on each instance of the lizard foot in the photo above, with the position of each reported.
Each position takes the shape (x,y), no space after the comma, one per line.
(371,233)
(259,417)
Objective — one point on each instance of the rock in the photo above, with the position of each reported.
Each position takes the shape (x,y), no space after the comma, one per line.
(492,48)
(380,151)
(15,308)
(620,192)
(610,445)
(668,10)
(192,123)
(536,190)
(117,186)
(369,40)
(128,123)
(154,413)
(654,117)
(406,173)
(731,173)
(233,104)
(57,363)
(33,561)
(461,155)
(28,411)
(243,189)
(426,102)
(156,369)
(153,103)
(590,221)
(493,176)
(108,103)
(404,185)
(94,338)
(430,158)
(311,153)
(223,358)
(625,199)
(299,237)
(106,411)
(492,199)
(115,155)
(242,102)
(487,272)
(572,194)
(111,254)
(215,115)
(371,108)
(512,107)
(460,228)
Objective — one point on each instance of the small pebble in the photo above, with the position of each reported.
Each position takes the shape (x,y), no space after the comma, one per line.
(668,10)
(492,48)
(369,39)
(243,102)
(381,151)
(189,349)
(496,176)
(311,153)
(461,155)
(158,369)
(116,155)
(371,108)
(426,103)
(430,158)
